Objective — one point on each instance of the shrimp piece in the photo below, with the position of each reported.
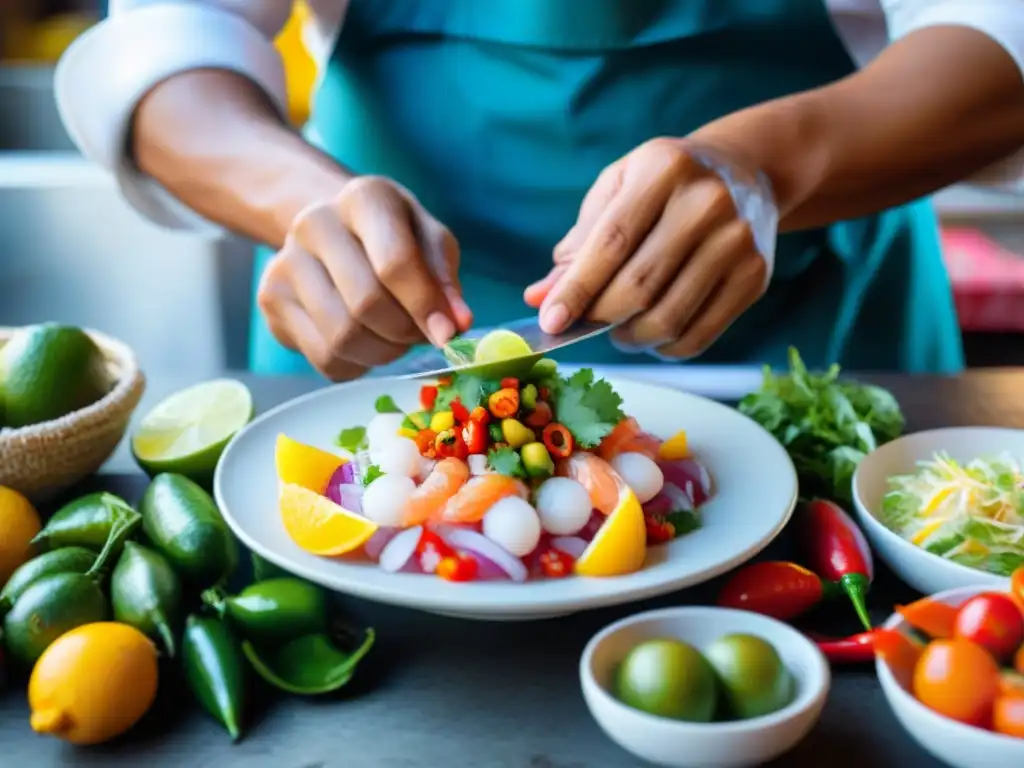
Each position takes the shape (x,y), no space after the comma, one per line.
(627,437)
(595,474)
(429,499)
(478,495)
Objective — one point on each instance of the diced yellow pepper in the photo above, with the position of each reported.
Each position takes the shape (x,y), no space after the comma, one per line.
(675,447)
(516,433)
(406,432)
(441,421)
(927,531)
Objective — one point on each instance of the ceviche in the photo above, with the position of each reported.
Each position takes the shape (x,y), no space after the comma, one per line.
(539,476)
(971,513)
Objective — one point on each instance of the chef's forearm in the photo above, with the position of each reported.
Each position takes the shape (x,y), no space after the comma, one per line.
(215,142)
(934,108)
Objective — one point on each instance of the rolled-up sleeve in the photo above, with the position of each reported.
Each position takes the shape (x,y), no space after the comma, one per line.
(1001,20)
(105,74)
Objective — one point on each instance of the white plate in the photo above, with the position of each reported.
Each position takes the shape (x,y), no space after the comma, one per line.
(922,570)
(755,492)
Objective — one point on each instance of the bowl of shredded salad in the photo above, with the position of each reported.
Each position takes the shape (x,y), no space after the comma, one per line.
(945,508)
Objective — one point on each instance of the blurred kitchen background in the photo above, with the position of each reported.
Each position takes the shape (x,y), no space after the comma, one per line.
(72,251)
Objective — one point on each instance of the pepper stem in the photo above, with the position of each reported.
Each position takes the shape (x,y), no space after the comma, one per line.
(214,598)
(124,522)
(856,586)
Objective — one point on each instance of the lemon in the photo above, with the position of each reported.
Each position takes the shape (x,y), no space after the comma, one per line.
(304,465)
(19,523)
(620,545)
(48,371)
(187,432)
(320,526)
(93,683)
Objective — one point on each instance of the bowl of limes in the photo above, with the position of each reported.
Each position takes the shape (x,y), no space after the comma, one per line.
(66,397)
(701,687)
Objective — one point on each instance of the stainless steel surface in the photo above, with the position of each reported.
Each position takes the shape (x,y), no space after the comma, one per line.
(72,250)
(433,362)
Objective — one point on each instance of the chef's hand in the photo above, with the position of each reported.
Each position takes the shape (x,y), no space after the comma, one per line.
(659,247)
(361,278)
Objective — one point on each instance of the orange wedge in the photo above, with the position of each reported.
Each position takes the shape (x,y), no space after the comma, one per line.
(304,465)
(320,526)
(620,546)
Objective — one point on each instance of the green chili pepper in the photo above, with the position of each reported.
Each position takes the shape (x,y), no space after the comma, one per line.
(308,665)
(145,593)
(273,611)
(86,522)
(216,670)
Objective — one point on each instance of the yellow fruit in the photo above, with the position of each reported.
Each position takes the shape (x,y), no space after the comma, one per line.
(320,526)
(620,545)
(19,522)
(304,465)
(675,447)
(93,683)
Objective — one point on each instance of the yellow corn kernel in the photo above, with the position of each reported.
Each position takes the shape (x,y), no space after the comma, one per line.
(441,421)
(675,448)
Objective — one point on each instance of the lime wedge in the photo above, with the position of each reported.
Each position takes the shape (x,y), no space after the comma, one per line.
(502,353)
(186,433)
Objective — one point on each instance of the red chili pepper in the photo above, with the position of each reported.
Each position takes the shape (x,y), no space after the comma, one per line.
(428,396)
(425,440)
(777,589)
(658,531)
(556,564)
(510,383)
(458,568)
(855,649)
(474,434)
(480,415)
(836,550)
(459,411)
(431,550)
(557,439)
(449,444)
(540,416)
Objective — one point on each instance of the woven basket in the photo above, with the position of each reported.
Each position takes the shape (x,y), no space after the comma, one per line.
(44,459)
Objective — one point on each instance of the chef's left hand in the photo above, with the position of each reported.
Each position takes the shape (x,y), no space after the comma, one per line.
(659,247)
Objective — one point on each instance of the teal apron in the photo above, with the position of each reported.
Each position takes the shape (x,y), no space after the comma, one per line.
(499,115)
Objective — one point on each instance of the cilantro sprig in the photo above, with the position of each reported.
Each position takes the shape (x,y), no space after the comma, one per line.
(352,439)
(506,461)
(588,407)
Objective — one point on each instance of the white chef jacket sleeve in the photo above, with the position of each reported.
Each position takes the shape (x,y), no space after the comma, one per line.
(108,70)
(1002,20)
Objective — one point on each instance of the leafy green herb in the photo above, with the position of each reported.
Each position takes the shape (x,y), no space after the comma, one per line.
(469,389)
(826,425)
(352,439)
(385,404)
(506,461)
(372,473)
(588,408)
(684,521)
(459,350)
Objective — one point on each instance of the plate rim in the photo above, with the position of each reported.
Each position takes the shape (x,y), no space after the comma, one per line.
(484,606)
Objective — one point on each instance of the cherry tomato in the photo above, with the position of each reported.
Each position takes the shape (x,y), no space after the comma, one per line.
(1018,660)
(1008,716)
(1017,587)
(458,568)
(993,621)
(431,550)
(556,564)
(958,679)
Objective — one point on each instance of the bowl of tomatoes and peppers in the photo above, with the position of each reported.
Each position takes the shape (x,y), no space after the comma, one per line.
(952,669)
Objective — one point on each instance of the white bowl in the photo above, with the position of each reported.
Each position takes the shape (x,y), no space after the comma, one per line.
(921,569)
(955,744)
(679,744)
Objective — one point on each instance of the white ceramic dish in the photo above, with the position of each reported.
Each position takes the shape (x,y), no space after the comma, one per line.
(924,571)
(703,745)
(955,744)
(755,492)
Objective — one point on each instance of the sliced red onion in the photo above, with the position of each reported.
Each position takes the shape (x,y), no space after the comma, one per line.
(478,544)
(689,475)
(660,505)
(375,546)
(343,475)
(571,545)
(679,500)
(590,530)
(399,551)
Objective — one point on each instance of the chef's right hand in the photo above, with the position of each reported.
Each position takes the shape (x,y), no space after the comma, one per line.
(361,278)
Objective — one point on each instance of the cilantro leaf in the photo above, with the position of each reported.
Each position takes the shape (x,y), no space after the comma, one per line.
(588,408)
(683,521)
(385,404)
(352,439)
(473,390)
(372,473)
(506,461)
(459,351)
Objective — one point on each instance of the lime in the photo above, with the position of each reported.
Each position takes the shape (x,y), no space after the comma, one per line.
(187,432)
(48,371)
(668,678)
(753,677)
(503,353)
